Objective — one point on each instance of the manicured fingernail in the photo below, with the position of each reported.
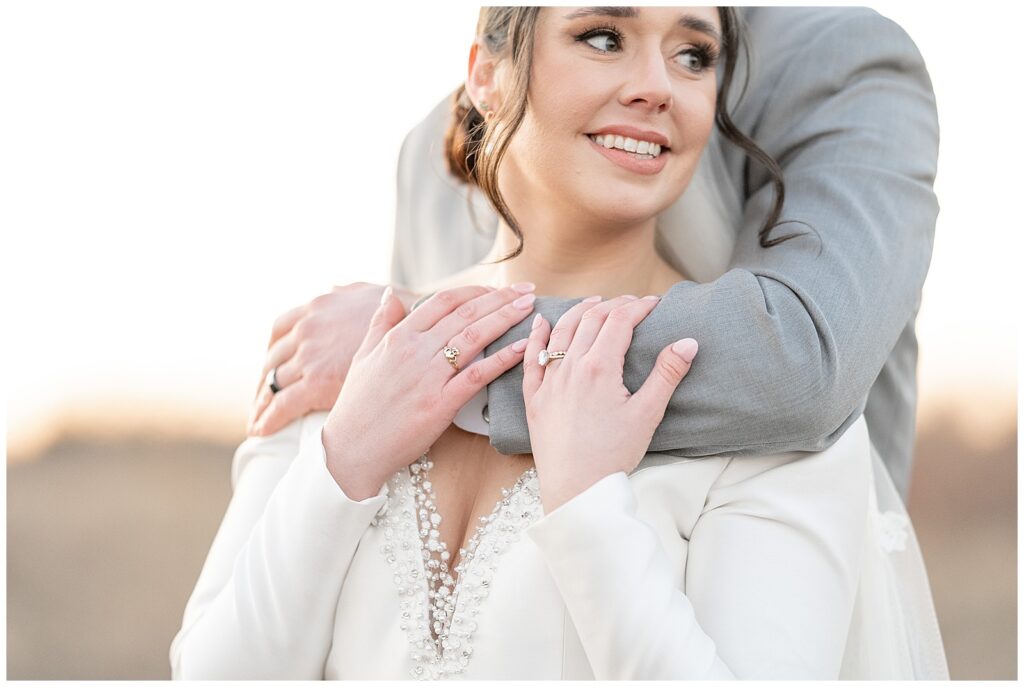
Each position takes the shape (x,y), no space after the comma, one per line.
(592,299)
(687,349)
(519,346)
(630,297)
(536,321)
(524,286)
(524,302)
(651,298)
(384,296)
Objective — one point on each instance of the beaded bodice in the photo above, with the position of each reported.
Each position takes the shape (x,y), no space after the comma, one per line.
(439,611)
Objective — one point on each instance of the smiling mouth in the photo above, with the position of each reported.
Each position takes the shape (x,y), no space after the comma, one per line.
(640,150)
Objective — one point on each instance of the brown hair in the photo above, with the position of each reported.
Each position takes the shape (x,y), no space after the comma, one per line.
(509,32)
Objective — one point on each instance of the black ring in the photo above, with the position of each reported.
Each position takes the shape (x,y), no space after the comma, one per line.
(274,388)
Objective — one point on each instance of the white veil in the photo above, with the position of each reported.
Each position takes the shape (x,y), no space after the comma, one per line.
(894,633)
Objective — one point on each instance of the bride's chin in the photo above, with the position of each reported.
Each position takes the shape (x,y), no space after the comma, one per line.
(621,203)
(623,213)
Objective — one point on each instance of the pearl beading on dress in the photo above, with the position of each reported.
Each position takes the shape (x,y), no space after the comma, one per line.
(438,612)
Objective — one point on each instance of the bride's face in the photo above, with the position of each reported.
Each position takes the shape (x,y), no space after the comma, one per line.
(631,75)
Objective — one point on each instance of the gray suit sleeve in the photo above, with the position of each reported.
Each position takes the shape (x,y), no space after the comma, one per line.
(792,337)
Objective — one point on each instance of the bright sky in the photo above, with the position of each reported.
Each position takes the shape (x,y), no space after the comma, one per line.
(175,175)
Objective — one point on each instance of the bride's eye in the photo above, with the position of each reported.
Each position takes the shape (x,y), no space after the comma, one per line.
(700,58)
(603,40)
(693,60)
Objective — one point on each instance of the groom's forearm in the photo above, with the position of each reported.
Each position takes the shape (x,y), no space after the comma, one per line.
(770,376)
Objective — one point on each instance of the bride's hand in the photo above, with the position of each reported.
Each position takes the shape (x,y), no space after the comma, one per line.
(584,424)
(401,392)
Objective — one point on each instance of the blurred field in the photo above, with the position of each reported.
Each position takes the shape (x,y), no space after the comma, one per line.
(963,502)
(105,540)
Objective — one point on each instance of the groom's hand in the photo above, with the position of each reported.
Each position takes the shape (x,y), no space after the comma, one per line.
(312,348)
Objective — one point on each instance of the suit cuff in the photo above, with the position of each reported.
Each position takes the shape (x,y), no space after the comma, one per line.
(332,491)
(574,528)
(317,501)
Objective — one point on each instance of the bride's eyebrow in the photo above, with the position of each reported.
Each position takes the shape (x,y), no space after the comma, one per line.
(687,21)
(622,12)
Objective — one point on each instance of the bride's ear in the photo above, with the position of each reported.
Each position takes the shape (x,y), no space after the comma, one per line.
(482,85)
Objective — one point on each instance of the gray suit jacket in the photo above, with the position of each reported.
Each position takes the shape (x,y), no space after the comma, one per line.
(797,340)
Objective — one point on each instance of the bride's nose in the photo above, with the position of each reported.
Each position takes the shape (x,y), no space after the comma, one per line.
(648,85)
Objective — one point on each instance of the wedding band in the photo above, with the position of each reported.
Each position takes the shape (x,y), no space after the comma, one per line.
(545,356)
(272,381)
(452,354)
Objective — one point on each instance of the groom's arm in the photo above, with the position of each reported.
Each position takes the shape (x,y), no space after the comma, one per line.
(793,336)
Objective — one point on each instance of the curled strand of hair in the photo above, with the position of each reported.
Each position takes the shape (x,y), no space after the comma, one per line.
(742,48)
(460,149)
(734,42)
(518,24)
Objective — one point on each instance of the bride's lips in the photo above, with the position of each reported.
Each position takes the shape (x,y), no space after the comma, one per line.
(628,161)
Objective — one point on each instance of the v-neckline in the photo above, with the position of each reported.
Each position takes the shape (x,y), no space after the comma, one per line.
(426,487)
(429,521)
(448,651)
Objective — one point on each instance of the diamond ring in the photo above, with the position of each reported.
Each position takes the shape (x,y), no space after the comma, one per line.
(546,356)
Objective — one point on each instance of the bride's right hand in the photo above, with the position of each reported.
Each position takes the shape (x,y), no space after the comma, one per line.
(401,393)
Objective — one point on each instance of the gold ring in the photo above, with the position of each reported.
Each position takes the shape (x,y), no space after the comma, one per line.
(452,354)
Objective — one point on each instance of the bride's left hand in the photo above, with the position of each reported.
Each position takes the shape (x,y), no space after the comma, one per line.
(584,424)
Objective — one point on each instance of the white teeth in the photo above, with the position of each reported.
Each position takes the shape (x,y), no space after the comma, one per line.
(628,144)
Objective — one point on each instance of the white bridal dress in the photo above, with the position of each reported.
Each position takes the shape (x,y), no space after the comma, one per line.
(784,566)
(792,565)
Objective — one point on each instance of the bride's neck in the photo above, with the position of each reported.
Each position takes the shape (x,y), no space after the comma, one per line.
(570,262)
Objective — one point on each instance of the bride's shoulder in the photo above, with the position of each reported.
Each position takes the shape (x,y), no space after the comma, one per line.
(780,485)
(840,471)
(282,446)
